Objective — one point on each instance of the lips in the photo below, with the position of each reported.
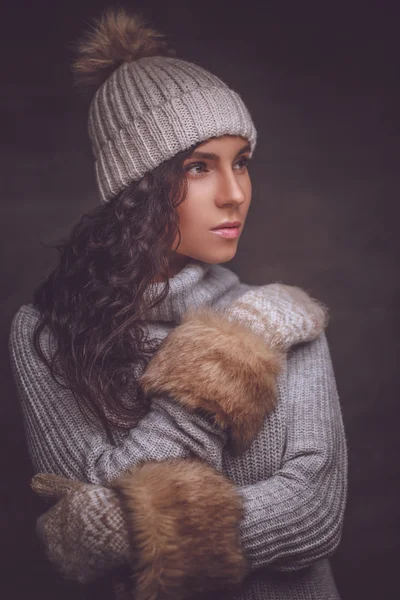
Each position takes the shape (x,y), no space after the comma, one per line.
(227,225)
(227,232)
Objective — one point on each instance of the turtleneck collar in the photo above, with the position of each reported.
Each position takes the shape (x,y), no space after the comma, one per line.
(197,284)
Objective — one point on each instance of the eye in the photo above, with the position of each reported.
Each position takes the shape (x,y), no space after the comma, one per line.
(196,169)
(243,162)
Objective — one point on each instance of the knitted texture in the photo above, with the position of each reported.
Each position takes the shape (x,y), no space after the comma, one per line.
(293,478)
(283,315)
(150,109)
(104,526)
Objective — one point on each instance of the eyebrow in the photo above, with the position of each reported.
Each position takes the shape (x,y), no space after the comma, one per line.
(212,156)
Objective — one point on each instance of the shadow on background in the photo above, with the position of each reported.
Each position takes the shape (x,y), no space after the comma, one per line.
(321,85)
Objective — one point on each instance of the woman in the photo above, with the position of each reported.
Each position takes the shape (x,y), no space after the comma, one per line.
(191,422)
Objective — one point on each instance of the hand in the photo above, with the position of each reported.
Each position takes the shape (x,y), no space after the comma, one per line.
(212,364)
(84,533)
(284,315)
(158,518)
(226,362)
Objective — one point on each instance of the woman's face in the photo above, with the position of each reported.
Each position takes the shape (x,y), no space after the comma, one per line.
(219,190)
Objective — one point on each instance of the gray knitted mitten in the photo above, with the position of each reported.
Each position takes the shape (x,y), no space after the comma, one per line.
(150,518)
(284,315)
(236,355)
(85,516)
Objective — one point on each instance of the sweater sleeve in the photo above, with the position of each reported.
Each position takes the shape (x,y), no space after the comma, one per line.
(62,441)
(295,517)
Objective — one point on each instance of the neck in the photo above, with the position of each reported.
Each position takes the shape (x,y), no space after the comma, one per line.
(196,284)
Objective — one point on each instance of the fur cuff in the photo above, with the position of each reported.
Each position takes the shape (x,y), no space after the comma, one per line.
(219,366)
(183,518)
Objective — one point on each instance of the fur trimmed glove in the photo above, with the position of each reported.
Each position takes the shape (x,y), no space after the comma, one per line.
(226,363)
(285,315)
(152,517)
(84,516)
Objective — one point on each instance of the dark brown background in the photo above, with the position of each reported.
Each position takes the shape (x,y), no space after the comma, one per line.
(320,81)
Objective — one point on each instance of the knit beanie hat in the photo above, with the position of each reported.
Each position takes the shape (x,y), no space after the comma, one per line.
(148,104)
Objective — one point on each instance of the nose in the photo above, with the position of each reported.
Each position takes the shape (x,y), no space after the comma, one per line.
(229,190)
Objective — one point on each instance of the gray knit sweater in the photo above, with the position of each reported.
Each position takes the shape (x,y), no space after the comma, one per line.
(293,478)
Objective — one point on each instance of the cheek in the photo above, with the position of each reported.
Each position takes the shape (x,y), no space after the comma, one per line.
(193,210)
(191,222)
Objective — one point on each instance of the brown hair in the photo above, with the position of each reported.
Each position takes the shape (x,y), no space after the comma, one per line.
(93,300)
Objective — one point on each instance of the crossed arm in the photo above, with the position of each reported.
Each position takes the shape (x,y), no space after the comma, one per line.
(289,521)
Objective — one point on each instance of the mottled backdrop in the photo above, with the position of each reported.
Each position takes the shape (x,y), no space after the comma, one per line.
(321,82)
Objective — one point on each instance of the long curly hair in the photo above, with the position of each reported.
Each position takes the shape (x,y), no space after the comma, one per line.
(93,301)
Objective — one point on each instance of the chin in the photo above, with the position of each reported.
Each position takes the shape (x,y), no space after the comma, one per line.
(219,257)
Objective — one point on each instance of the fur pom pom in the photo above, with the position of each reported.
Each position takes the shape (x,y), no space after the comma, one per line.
(115,38)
